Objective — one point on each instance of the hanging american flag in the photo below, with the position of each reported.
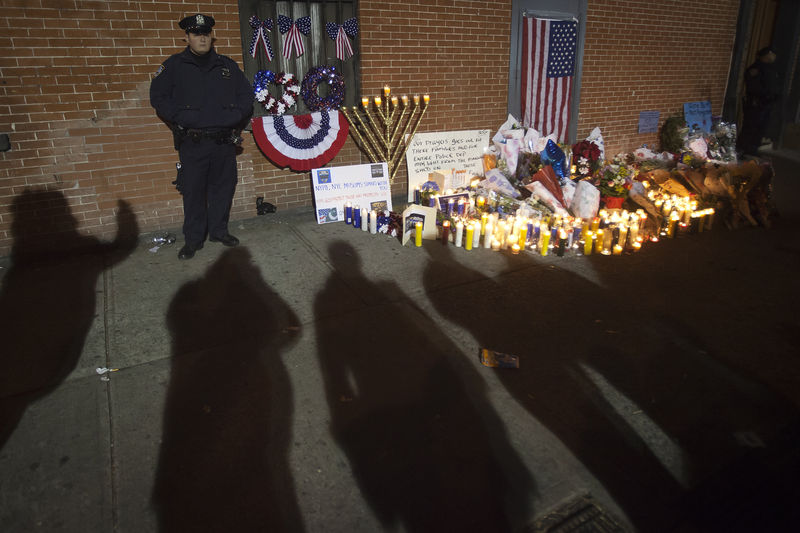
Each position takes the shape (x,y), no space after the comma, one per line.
(548,66)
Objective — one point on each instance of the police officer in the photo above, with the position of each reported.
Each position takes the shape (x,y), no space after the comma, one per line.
(762,86)
(205,98)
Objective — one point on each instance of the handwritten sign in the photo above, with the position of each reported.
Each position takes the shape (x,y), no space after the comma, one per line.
(365,186)
(454,156)
(648,121)
(698,114)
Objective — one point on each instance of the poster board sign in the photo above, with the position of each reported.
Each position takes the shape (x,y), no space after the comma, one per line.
(447,158)
(698,114)
(648,121)
(365,186)
(419,213)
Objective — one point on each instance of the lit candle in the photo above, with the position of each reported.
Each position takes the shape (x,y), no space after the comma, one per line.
(386,90)
(445,231)
(562,242)
(637,246)
(634,232)
(484,219)
(470,237)
(426,98)
(495,245)
(416,99)
(595,223)
(404,99)
(617,249)
(608,236)
(373,222)
(673,222)
(462,206)
(523,235)
(394,101)
(459,233)
(378,101)
(418,234)
(587,244)
(598,241)
(481,202)
(623,234)
(487,239)
(364,217)
(476,234)
(348,213)
(515,249)
(365,102)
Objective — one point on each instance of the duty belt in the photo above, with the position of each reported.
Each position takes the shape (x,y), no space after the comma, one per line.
(221,136)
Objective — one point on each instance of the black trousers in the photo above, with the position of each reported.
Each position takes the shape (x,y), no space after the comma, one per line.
(207,181)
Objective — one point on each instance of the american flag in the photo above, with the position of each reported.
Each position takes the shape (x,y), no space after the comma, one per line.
(548,65)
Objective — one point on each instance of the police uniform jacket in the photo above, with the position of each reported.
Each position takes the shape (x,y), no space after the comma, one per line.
(201,93)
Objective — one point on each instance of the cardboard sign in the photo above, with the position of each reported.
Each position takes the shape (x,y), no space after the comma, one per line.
(698,114)
(648,121)
(365,186)
(448,159)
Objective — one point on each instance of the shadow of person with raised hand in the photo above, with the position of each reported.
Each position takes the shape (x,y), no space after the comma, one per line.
(223,463)
(422,439)
(546,317)
(48,297)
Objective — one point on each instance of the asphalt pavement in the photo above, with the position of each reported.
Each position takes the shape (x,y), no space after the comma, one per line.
(320,378)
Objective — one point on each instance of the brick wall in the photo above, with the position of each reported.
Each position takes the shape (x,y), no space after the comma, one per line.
(75,76)
(642,55)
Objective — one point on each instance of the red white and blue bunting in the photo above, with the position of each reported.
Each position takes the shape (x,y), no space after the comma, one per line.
(301,142)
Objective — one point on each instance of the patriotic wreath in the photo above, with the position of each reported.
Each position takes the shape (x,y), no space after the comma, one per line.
(291,89)
(311,83)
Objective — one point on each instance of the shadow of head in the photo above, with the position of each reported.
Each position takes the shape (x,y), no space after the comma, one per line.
(344,257)
(43,221)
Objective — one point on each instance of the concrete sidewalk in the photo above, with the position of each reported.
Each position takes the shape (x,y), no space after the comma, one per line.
(320,378)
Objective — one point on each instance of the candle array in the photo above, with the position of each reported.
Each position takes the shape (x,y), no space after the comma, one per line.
(467,223)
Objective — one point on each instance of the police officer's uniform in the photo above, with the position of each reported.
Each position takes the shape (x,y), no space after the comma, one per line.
(206,100)
(762,86)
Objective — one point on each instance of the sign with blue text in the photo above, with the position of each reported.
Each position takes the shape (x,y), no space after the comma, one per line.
(363,186)
(698,115)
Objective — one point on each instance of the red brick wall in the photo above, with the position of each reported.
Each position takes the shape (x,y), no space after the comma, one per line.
(75,76)
(642,55)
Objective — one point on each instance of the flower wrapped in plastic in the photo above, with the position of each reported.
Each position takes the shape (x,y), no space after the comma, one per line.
(615,180)
(586,158)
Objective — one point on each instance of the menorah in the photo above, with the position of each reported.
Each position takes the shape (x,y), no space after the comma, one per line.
(383,136)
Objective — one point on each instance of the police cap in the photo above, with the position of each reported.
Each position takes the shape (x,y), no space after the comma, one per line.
(197,23)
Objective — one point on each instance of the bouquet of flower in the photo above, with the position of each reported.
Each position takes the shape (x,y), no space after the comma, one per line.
(615,180)
(586,158)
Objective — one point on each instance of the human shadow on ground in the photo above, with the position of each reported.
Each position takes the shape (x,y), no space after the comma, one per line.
(48,297)
(626,385)
(223,462)
(424,443)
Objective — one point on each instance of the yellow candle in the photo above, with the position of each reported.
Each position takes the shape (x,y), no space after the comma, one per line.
(426,98)
(484,218)
(545,240)
(595,223)
(481,202)
(386,90)
(617,249)
(394,101)
(637,246)
(587,243)
(515,249)
(523,235)
(378,101)
(470,237)
(365,102)
(598,241)
(418,234)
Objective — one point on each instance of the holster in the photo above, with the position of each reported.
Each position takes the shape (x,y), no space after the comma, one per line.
(178,134)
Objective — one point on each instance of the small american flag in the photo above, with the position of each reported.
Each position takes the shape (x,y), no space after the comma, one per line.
(548,66)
